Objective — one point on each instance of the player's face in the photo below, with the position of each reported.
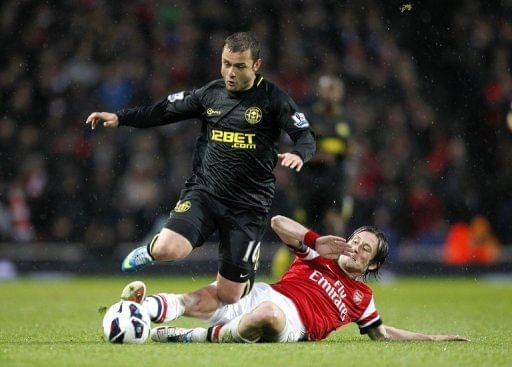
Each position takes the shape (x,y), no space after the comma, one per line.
(365,246)
(238,70)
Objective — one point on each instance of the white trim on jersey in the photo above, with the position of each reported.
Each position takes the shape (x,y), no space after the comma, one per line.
(368,312)
(309,255)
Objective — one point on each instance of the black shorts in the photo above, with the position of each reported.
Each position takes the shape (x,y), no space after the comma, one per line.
(197,215)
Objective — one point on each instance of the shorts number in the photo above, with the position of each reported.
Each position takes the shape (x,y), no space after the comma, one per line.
(253,253)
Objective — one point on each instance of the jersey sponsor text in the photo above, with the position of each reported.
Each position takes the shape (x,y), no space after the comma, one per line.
(238,140)
(336,292)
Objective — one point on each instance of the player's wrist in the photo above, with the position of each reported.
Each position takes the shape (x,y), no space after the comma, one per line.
(310,238)
(301,248)
(296,152)
(120,115)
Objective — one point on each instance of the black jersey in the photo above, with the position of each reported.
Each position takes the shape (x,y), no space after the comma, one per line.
(237,151)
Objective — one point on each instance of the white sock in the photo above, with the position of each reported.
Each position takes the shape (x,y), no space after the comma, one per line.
(164,307)
(228,333)
(199,335)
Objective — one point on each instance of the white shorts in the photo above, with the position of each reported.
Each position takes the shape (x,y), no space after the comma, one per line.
(294,329)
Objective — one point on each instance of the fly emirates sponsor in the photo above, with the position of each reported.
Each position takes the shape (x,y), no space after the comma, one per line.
(335,292)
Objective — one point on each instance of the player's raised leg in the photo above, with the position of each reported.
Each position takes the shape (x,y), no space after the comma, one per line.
(160,307)
(201,304)
(166,246)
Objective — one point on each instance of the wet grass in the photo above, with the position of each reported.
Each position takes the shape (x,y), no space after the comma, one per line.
(56,323)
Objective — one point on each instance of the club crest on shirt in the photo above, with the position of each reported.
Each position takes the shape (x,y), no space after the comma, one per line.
(357,297)
(253,115)
(182,207)
(300,120)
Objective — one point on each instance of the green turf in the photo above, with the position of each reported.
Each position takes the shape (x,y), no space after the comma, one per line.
(56,323)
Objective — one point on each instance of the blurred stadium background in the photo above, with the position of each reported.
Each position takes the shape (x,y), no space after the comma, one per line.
(409,101)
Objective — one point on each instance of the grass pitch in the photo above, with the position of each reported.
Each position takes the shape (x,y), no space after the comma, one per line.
(56,323)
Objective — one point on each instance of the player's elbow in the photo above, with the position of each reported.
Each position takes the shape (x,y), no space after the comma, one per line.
(277,222)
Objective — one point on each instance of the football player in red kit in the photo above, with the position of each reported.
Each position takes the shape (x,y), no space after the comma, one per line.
(321,292)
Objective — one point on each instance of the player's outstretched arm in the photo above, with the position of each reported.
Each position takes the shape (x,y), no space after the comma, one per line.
(384,332)
(109,119)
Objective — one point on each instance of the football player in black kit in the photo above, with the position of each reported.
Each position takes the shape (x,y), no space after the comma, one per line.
(232,185)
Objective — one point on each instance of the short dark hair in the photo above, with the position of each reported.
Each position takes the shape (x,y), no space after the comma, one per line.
(242,41)
(382,250)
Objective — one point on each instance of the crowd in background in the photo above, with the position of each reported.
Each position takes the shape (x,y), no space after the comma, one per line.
(408,104)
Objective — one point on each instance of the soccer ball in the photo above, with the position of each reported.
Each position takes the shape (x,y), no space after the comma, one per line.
(126,322)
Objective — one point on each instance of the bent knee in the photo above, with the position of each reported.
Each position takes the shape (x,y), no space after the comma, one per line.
(268,314)
(276,221)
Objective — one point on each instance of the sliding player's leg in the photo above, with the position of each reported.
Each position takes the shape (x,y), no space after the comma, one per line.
(264,315)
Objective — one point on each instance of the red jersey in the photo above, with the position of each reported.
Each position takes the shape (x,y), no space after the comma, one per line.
(326,297)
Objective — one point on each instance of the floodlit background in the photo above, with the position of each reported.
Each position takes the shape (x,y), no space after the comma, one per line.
(408,100)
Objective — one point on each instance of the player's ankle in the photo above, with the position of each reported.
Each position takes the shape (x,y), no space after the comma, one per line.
(150,246)
(229,333)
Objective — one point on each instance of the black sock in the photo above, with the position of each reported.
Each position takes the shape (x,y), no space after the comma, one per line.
(150,246)
(209,334)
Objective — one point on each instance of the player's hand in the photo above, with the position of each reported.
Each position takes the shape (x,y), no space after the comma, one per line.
(109,119)
(331,247)
(291,160)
